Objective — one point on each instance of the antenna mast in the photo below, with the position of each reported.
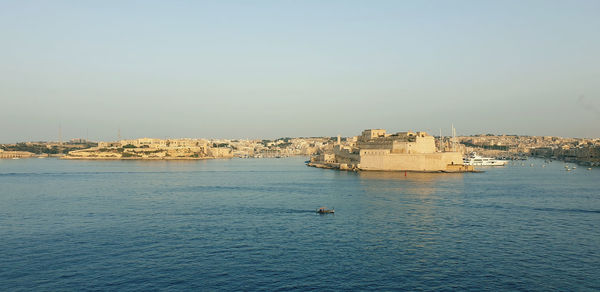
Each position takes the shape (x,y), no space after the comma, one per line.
(453,139)
(60,138)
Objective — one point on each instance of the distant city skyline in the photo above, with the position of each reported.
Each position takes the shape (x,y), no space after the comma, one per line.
(269,69)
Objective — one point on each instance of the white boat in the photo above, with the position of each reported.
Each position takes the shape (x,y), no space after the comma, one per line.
(475,159)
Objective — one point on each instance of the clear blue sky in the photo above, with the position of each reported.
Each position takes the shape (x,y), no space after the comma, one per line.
(249,69)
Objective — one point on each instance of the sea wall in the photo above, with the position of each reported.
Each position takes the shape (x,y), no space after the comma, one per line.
(15,154)
(379,160)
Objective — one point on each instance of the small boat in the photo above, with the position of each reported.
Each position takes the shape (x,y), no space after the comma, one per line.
(324,210)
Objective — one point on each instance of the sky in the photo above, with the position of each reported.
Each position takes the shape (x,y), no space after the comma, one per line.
(267,69)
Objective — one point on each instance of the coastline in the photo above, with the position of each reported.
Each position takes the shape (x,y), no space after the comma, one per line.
(142,158)
(338,166)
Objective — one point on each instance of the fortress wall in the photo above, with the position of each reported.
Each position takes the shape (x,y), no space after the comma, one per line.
(402,147)
(420,145)
(377,144)
(425,144)
(411,162)
(345,156)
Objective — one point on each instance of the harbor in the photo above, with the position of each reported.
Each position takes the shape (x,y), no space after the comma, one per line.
(191,219)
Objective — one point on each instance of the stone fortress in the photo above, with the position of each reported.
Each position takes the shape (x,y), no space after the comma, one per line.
(403,151)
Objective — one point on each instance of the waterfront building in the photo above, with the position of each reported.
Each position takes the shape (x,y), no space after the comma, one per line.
(404,151)
(15,154)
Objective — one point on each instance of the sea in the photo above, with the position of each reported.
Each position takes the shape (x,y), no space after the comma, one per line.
(251,225)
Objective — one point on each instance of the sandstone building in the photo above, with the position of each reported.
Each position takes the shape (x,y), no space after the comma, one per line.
(15,154)
(150,148)
(403,151)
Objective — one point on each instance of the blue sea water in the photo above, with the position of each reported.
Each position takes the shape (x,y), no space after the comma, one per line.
(250,224)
